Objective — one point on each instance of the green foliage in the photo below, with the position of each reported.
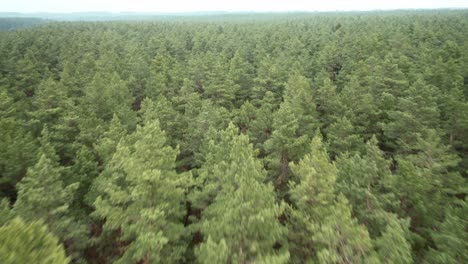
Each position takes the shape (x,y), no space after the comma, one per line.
(107,144)
(242,214)
(392,245)
(5,212)
(416,112)
(451,241)
(313,197)
(340,239)
(142,196)
(298,96)
(50,104)
(343,137)
(347,141)
(285,144)
(315,192)
(366,181)
(328,103)
(212,252)
(108,94)
(17,153)
(22,242)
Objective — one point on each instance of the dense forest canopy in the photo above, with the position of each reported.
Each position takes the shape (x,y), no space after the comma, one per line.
(243,138)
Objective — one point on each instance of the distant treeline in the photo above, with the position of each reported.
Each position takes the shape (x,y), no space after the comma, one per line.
(10,23)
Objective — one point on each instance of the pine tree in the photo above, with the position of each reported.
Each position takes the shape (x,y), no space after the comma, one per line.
(142,196)
(107,143)
(284,145)
(262,125)
(321,227)
(367,182)
(108,94)
(221,89)
(316,176)
(245,116)
(343,137)
(53,108)
(340,239)
(200,116)
(451,244)
(328,104)
(84,171)
(268,79)
(454,113)
(415,112)
(298,95)
(7,109)
(243,214)
(439,162)
(162,109)
(426,183)
(241,72)
(22,242)
(43,195)
(213,252)
(5,212)
(393,246)
(160,80)
(18,152)
(312,198)
(213,157)
(361,108)
(50,104)
(28,73)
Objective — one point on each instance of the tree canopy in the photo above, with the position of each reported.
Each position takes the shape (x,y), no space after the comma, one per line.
(235,138)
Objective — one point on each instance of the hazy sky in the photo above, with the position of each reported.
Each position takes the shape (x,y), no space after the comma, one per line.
(218,5)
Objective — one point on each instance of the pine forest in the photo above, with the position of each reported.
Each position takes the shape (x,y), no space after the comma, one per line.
(336,137)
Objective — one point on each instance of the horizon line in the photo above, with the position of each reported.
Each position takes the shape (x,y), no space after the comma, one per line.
(233,11)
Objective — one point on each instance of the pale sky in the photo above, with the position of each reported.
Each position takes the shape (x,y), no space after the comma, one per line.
(219,5)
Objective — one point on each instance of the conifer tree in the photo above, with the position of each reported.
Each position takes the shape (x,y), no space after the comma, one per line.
(244,117)
(243,214)
(28,73)
(18,152)
(343,137)
(42,193)
(426,183)
(298,95)
(262,125)
(50,102)
(328,104)
(142,196)
(451,240)
(393,245)
(361,108)
(22,242)
(321,227)
(200,117)
(341,239)
(108,94)
(221,89)
(84,171)
(169,119)
(5,212)
(312,197)
(268,79)
(415,112)
(241,72)
(284,145)
(366,181)
(107,143)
